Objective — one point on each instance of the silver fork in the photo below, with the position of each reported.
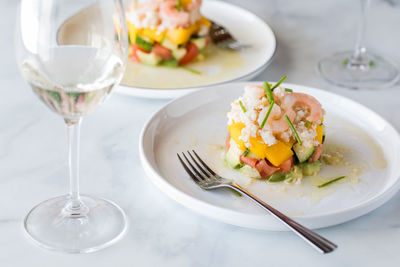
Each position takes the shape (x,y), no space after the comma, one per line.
(221,37)
(207,179)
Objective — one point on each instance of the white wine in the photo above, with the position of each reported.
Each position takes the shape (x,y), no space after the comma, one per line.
(73,80)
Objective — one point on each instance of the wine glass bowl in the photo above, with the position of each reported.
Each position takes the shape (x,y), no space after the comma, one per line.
(72,78)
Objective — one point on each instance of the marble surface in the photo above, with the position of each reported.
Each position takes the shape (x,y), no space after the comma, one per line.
(162,232)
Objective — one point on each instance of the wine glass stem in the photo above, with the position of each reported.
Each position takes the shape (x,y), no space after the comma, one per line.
(358,56)
(75,207)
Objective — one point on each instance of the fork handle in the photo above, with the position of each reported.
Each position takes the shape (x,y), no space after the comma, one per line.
(318,242)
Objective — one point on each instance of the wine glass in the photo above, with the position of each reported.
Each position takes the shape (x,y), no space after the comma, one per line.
(359,69)
(72,79)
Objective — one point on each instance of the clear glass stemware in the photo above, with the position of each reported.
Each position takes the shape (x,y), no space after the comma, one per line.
(72,77)
(359,69)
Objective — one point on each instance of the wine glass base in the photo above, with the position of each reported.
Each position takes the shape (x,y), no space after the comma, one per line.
(377,73)
(51,228)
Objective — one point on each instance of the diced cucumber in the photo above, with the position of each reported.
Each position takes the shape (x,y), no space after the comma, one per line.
(178,53)
(168,44)
(250,172)
(232,156)
(310,169)
(199,42)
(303,153)
(150,59)
(144,44)
(277,177)
(172,63)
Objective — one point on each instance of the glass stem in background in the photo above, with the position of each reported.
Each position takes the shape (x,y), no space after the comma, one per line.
(359,59)
(75,207)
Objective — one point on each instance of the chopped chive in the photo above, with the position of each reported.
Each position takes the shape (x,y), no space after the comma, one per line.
(267,115)
(308,124)
(278,83)
(246,152)
(289,90)
(268,92)
(178,5)
(323,138)
(236,192)
(372,64)
(293,130)
(191,70)
(346,61)
(241,105)
(331,181)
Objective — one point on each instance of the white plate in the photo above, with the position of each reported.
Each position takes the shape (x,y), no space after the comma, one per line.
(220,67)
(198,121)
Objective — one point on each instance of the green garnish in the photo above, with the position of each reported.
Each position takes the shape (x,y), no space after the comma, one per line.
(172,63)
(142,43)
(308,124)
(289,90)
(331,181)
(75,95)
(278,83)
(246,152)
(242,107)
(346,61)
(55,96)
(267,115)
(277,177)
(178,5)
(323,138)
(372,64)
(268,92)
(236,192)
(293,130)
(191,70)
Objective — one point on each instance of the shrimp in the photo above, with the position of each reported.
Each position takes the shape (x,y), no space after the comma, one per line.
(172,16)
(304,100)
(280,125)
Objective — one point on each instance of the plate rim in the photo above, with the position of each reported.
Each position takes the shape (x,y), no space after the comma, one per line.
(168,93)
(169,189)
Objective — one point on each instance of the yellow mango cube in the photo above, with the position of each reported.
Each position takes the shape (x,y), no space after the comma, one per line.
(181,35)
(204,21)
(235,130)
(153,34)
(320,133)
(278,153)
(132,31)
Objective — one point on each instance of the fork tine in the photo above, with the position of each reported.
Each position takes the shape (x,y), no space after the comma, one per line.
(199,175)
(191,174)
(198,165)
(205,165)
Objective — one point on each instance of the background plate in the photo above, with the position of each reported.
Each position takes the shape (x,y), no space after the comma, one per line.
(220,66)
(198,121)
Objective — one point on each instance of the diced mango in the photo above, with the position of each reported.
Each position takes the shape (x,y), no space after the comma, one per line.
(133,31)
(181,35)
(235,130)
(153,34)
(258,146)
(185,3)
(204,21)
(276,154)
(320,133)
